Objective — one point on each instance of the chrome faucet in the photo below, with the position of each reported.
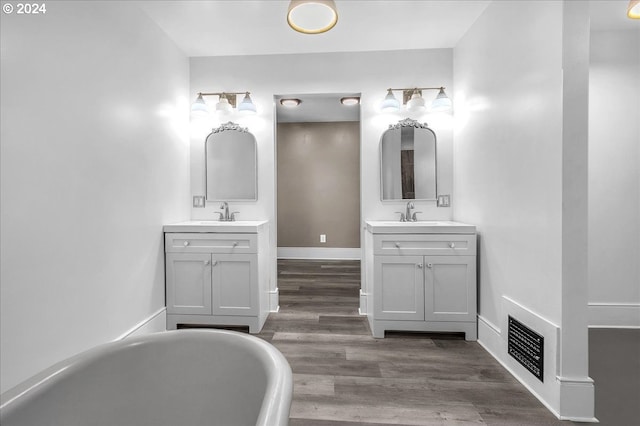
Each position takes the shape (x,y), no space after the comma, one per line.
(407,215)
(225,217)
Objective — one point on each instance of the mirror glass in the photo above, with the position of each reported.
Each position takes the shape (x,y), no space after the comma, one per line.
(230,164)
(408,162)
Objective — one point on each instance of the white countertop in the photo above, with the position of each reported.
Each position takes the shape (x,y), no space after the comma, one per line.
(236,227)
(420,227)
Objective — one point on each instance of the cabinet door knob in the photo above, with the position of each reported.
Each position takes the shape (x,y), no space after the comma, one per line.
(206,262)
(429,265)
(397,245)
(186,243)
(452,245)
(235,243)
(419,265)
(214,263)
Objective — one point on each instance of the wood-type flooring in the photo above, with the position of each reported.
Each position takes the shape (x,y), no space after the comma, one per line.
(345,377)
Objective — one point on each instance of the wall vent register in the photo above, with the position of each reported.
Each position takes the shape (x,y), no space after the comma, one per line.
(527,347)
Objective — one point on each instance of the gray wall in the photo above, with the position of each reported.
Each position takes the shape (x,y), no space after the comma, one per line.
(318,184)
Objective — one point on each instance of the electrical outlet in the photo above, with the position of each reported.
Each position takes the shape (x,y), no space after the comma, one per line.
(444,201)
(323,238)
(198,201)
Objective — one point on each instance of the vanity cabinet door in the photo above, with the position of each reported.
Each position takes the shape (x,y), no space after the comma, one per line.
(235,284)
(188,283)
(399,288)
(450,291)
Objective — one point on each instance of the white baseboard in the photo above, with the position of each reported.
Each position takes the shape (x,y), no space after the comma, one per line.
(566,398)
(154,323)
(362,310)
(326,253)
(274,300)
(491,338)
(614,315)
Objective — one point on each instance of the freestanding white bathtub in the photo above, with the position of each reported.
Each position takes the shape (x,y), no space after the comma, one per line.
(174,378)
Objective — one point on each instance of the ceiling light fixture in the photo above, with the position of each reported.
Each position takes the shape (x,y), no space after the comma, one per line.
(226,103)
(414,100)
(633,10)
(350,100)
(290,103)
(312,16)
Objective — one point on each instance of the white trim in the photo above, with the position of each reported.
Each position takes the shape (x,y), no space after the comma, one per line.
(274,300)
(575,393)
(328,253)
(152,324)
(519,379)
(362,309)
(614,315)
(489,324)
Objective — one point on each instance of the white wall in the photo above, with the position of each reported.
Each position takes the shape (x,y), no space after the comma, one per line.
(510,181)
(95,159)
(368,73)
(614,179)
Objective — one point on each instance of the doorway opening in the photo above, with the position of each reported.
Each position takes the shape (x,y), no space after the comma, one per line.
(317,177)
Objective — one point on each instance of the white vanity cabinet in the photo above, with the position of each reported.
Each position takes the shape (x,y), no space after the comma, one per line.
(424,277)
(217,276)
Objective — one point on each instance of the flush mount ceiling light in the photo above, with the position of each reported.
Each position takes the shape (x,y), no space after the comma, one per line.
(226,103)
(350,100)
(414,100)
(633,10)
(290,103)
(312,16)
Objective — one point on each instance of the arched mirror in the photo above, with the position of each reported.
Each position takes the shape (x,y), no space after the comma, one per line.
(408,162)
(230,164)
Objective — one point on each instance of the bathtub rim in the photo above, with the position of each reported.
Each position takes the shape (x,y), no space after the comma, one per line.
(273,411)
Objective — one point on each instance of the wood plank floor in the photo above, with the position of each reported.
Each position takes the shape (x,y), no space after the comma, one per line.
(345,377)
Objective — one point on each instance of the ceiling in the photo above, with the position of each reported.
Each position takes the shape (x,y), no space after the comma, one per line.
(259,27)
(317,108)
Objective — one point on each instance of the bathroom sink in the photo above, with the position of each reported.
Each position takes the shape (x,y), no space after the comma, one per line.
(419,227)
(236,227)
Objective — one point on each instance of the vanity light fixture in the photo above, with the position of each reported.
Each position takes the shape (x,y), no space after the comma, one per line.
(414,100)
(441,102)
(226,103)
(247,106)
(199,107)
(416,103)
(312,16)
(290,103)
(223,104)
(350,100)
(390,103)
(633,10)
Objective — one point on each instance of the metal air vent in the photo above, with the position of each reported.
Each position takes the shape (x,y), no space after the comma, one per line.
(527,347)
